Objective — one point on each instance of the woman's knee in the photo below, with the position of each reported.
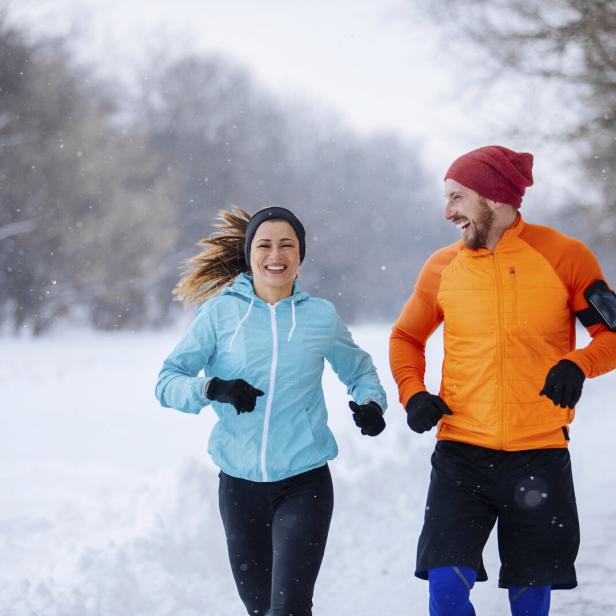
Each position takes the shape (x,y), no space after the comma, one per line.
(286,603)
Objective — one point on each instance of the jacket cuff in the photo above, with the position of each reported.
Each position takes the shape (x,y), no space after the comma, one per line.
(373,396)
(206,382)
(408,392)
(579,360)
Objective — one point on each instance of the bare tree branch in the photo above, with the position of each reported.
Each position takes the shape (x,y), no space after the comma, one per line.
(17,228)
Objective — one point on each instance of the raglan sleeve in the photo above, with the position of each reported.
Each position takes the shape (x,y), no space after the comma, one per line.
(354,367)
(419,318)
(179,385)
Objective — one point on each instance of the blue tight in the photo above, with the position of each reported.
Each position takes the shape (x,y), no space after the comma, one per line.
(530,600)
(450,589)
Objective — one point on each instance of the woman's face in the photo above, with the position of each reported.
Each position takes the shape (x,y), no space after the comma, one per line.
(274,259)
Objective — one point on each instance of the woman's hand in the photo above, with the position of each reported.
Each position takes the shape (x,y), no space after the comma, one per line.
(242,395)
(368,417)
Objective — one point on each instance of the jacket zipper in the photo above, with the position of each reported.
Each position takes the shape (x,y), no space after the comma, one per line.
(515,295)
(270,393)
(500,338)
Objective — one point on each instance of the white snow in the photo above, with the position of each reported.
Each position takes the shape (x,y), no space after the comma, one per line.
(108,503)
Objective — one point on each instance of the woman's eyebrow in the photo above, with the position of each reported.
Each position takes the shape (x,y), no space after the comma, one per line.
(282,239)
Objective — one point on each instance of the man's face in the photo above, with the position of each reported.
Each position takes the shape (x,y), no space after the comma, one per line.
(469,212)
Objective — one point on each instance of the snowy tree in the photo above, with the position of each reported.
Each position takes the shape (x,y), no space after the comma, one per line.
(566,48)
(227,142)
(82,221)
(104,196)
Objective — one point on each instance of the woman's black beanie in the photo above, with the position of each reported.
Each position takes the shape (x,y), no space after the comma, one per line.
(274,213)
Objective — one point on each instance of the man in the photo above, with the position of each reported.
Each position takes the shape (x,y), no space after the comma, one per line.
(508,293)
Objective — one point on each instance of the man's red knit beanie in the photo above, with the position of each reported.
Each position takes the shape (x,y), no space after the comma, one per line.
(495,172)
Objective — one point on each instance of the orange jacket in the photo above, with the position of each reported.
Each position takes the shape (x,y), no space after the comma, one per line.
(508,318)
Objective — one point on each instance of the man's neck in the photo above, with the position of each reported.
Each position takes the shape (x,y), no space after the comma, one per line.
(504,222)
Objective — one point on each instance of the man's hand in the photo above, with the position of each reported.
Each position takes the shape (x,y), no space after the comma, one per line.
(424,410)
(242,395)
(368,417)
(563,384)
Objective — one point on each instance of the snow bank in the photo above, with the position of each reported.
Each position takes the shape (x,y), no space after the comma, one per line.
(109,502)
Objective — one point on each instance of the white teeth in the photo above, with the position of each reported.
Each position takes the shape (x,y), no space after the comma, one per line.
(276,268)
(463,225)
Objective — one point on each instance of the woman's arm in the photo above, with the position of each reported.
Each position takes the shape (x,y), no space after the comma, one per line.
(354,367)
(178,385)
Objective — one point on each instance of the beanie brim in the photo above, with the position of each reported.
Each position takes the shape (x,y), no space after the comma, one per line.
(494,172)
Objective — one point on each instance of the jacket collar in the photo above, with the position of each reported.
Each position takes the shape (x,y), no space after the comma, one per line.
(508,237)
(242,286)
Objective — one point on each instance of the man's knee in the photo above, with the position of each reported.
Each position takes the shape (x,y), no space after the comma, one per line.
(530,600)
(450,589)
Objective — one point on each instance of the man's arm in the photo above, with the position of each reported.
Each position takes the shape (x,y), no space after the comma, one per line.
(599,356)
(419,318)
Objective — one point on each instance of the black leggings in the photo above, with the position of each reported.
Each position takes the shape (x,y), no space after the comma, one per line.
(276,534)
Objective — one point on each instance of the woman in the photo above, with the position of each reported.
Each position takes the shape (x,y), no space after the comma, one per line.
(261,342)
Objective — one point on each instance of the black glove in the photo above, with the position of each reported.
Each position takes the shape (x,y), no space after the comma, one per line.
(563,384)
(368,417)
(239,393)
(424,410)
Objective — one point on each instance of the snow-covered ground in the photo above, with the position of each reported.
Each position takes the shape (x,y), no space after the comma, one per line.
(108,503)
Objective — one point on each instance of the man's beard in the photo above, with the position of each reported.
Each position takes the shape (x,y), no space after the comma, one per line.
(481,227)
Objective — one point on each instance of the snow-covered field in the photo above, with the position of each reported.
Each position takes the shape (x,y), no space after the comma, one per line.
(108,503)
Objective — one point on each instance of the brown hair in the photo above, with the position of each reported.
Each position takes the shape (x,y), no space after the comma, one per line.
(220,261)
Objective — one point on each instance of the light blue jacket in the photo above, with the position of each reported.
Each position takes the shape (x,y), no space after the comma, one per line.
(279,349)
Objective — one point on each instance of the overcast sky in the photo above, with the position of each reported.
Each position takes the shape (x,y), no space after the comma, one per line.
(377,63)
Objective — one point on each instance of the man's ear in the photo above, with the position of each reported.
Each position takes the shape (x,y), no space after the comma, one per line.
(497,206)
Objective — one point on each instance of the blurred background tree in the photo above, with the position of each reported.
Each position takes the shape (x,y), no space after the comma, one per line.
(568,49)
(84,216)
(104,192)
(106,189)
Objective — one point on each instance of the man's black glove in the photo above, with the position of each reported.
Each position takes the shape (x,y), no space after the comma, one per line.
(424,410)
(368,417)
(563,384)
(239,393)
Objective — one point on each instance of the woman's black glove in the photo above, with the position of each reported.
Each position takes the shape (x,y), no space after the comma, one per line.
(424,410)
(368,417)
(563,384)
(239,393)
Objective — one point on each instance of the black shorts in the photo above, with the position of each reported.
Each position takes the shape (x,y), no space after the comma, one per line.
(531,495)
